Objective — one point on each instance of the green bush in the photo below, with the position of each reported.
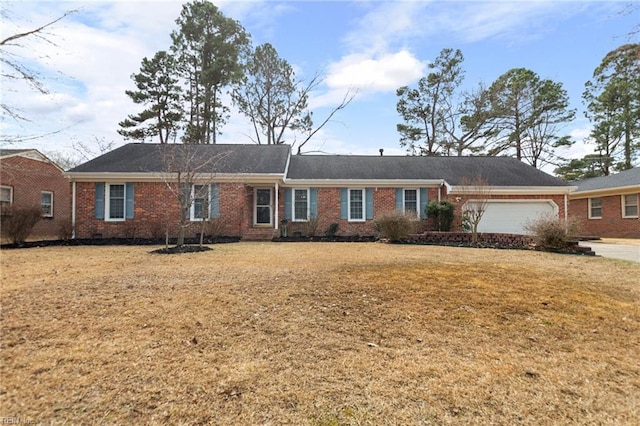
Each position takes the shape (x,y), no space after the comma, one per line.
(332,230)
(17,223)
(442,211)
(396,226)
(551,232)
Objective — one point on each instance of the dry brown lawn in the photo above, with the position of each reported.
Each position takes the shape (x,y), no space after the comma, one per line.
(318,334)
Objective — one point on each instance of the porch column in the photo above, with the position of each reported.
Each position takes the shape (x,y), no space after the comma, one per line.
(277,197)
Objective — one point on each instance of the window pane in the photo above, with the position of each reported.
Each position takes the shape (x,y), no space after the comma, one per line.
(300,207)
(5,194)
(596,207)
(631,205)
(356,205)
(46,201)
(411,201)
(116,201)
(263,197)
(200,201)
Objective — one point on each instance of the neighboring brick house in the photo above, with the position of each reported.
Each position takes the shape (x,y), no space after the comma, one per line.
(30,179)
(133,191)
(608,206)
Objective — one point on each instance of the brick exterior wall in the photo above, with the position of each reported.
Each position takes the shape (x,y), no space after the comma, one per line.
(156,209)
(610,225)
(28,178)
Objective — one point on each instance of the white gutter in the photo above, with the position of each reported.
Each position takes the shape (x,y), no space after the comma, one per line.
(513,190)
(363,182)
(173,177)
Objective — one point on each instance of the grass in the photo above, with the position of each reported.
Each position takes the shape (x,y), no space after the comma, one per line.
(318,334)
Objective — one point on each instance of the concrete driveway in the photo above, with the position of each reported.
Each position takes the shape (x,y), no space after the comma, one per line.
(616,251)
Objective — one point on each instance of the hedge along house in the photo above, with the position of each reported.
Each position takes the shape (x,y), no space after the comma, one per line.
(608,206)
(251,191)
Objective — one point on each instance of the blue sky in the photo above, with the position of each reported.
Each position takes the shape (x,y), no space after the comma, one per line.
(372,46)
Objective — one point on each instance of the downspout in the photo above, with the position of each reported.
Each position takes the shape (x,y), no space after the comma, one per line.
(277,205)
(73,209)
(566,208)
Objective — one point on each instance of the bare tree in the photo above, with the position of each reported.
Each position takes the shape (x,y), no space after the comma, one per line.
(15,66)
(189,175)
(479,192)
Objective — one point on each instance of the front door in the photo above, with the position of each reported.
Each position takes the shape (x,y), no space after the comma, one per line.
(262,206)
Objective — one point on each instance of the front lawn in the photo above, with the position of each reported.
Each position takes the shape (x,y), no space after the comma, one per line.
(318,334)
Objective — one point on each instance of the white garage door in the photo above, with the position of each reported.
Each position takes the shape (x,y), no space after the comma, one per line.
(510,216)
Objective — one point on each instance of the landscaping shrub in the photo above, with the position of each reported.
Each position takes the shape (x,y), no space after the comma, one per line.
(312,226)
(395,226)
(17,223)
(550,232)
(442,211)
(213,227)
(332,230)
(65,230)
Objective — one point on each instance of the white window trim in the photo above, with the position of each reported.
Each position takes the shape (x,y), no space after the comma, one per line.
(404,205)
(591,216)
(10,188)
(364,205)
(622,202)
(293,205)
(192,207)
(107,202)
(51,208)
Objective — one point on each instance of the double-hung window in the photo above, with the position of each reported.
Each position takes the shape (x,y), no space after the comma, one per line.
(46,203)
(301,205)
(595,208)
(200,202)
(356,205)
(630,206)
(115,201)
(410,204)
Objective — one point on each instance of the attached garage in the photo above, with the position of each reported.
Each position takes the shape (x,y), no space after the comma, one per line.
(511,216)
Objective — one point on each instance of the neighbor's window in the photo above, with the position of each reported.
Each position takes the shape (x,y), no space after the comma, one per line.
(595,208)
(411,201)
(200,206)
(46,203)
(6,195)
(630,205)
(115,201)
(356,204)
(300,204)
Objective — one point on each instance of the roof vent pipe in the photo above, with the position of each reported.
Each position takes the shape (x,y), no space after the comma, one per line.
(381,151)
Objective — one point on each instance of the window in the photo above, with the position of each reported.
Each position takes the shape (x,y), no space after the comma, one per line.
(630,205)
(115,201)
(300,205)
(200,204)
(410,205)
(46,203)
(356,205)
(6,196)
(595,208)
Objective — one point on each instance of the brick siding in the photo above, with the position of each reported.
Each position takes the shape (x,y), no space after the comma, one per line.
(611,224)
(29,178)
(156,209)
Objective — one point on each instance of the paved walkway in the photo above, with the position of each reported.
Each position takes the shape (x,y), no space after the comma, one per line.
(615,251)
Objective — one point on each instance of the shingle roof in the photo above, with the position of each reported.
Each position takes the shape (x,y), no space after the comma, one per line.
(498,171)
(626,178)
(217,158)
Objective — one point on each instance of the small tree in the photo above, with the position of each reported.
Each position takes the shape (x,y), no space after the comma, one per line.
(479,192)
(189,172)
